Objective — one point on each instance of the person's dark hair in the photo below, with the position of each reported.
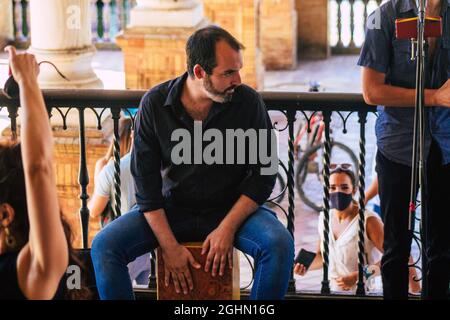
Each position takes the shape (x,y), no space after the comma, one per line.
(201,48)
(13,192)
(125,131)
(348,172)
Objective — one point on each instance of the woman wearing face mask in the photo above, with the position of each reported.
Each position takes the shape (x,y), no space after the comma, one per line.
(343,237)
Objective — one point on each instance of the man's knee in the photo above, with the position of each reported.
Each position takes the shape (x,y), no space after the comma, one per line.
(103,243)
(279,243)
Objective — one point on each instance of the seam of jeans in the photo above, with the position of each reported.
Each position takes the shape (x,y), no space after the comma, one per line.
(259,248)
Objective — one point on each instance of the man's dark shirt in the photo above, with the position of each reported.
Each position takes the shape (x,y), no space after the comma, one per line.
(383,52)
(199,188)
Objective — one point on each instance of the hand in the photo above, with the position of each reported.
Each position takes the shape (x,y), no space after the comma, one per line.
(23,66)
(300,269)
(219,246)
(176,266)
(348,281)
(442,95)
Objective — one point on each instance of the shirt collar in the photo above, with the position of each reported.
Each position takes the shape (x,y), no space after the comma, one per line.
(408,5)
(175,90)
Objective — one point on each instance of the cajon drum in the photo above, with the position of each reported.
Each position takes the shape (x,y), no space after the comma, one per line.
(206,287)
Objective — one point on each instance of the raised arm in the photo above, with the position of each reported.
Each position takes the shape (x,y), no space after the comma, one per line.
(43,261)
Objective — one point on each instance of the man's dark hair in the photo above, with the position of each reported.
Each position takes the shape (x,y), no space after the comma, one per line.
(201,48)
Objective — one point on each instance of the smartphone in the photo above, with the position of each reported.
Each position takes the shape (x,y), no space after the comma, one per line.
(305,258)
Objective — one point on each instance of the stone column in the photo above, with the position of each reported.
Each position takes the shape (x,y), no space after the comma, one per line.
(241,18)
(313,34)
(278,23)
(154,42)
(61,33)
(6,23)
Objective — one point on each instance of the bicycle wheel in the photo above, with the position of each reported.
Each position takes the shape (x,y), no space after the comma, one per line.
(309,174)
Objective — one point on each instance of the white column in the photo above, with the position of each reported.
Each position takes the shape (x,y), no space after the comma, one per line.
(166,13)
(61,33)
(6,22)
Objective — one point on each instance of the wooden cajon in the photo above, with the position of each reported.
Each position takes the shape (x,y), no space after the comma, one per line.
(206,287)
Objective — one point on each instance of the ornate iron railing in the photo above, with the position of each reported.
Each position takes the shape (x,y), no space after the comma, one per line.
(291,105)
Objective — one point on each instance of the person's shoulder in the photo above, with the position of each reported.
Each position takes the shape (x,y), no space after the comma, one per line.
(107,172)
(125,160)
(156,96)
(387,12)
(247,93)
(251,99)
(370,214)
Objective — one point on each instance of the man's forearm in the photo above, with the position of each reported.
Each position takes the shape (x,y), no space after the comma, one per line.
(388,95)
(241,210)
(157,221)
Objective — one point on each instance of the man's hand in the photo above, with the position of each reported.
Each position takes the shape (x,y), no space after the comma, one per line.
(176,266)
(348,281)
(442,95)
(219,246)
(23,66)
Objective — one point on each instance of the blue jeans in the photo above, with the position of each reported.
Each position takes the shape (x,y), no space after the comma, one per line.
(261,236)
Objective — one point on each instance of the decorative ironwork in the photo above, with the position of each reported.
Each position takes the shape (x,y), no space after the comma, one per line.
(83,180)
(287,103)
(326,205)
(344,120)
(117,192)
(362,207)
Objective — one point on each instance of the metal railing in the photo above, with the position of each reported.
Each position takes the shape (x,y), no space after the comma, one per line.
(347,20)
(291,106)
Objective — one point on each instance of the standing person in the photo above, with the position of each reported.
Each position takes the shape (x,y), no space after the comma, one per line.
(388,80)
(219,204)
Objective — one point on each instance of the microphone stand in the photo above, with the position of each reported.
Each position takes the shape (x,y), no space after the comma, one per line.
(418,173)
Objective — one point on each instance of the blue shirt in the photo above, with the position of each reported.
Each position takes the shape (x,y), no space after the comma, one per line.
(383,52)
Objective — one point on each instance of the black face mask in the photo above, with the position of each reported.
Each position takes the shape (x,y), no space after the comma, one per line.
(340,200)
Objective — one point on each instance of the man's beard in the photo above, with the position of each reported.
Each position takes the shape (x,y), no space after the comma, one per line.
(216,95)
